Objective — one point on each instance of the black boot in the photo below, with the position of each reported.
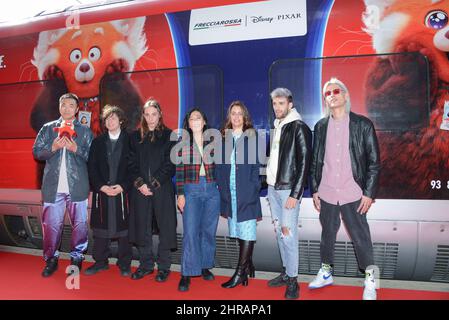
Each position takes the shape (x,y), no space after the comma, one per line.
(207,275)
(50,267)
(279,281)
(251,270)
(241,272)
(184,283)
(292,290)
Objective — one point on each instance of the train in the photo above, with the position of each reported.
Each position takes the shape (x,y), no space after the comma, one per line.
(392,55)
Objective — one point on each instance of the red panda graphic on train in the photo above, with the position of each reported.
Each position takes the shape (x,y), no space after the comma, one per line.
(421,153)
(76,60)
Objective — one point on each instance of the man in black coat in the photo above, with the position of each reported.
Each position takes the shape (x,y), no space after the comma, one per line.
(110,182)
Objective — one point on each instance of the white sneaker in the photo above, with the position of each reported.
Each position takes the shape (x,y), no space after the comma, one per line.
(369,293)
(322,279)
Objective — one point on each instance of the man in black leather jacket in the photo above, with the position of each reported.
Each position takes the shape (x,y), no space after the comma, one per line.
(64,146)
(287,172)
(345,169)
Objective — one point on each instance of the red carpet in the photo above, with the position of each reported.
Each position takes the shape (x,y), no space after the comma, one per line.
(20,278)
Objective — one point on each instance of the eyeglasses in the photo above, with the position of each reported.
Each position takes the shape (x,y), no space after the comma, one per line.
(329,92)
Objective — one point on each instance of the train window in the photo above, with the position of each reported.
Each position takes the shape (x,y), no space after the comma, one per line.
(27,106)
(178,90)
(391,89)
(17,103)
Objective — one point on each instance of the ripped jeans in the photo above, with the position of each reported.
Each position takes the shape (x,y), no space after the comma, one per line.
(282,217)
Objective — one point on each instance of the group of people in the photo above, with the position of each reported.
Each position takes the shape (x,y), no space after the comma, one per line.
(130,176)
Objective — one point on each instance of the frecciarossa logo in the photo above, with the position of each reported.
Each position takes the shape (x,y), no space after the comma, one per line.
(218,24)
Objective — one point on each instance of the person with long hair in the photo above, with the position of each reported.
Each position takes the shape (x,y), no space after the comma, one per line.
(198,201)
(239,186)
(152,198)
(345,172)
(110,183)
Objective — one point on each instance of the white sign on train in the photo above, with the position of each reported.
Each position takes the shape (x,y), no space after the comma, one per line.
(250,21)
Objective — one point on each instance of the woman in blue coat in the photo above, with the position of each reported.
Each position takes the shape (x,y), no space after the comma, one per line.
(239,186)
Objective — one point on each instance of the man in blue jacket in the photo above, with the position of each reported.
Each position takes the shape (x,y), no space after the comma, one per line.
(64,146)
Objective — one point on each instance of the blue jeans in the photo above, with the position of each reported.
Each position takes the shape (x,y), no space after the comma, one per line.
(200,220)
(282,217)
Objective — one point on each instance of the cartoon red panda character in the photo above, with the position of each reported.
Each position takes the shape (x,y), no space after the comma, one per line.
(76,60)
(67,129)
(414,156)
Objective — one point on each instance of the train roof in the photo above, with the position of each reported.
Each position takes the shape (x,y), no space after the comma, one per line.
(92,13)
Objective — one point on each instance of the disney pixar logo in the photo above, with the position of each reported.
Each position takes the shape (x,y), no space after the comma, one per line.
(2,61)
(257,19)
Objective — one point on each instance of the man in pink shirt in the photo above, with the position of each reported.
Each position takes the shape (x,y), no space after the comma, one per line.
(345,169)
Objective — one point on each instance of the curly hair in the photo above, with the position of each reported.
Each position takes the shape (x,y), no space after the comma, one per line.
(109,110)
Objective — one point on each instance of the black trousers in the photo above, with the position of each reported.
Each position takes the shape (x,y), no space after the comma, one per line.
(357,227)
(101,251)
(146,251)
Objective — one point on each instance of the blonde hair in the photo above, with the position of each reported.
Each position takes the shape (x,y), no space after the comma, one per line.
(343,87)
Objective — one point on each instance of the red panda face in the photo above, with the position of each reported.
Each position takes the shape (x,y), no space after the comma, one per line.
(430,29)
(421,24)
(84,55)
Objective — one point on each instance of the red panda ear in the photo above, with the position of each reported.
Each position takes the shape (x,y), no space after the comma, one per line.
(135,39)
(42,56)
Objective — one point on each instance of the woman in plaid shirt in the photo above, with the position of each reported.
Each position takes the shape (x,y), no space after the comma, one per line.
(198,200)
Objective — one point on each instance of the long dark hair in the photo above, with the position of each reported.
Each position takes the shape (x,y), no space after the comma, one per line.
(144,129)
(247,123)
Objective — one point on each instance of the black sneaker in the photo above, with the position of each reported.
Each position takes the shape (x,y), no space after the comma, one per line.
(162,275)
(292,290)
(140,273)
(95,268)
(125,271)
(50,267)
(279,281)
(184,283)
(207,275)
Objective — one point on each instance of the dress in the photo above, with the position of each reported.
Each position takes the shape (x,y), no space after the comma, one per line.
(245,230)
